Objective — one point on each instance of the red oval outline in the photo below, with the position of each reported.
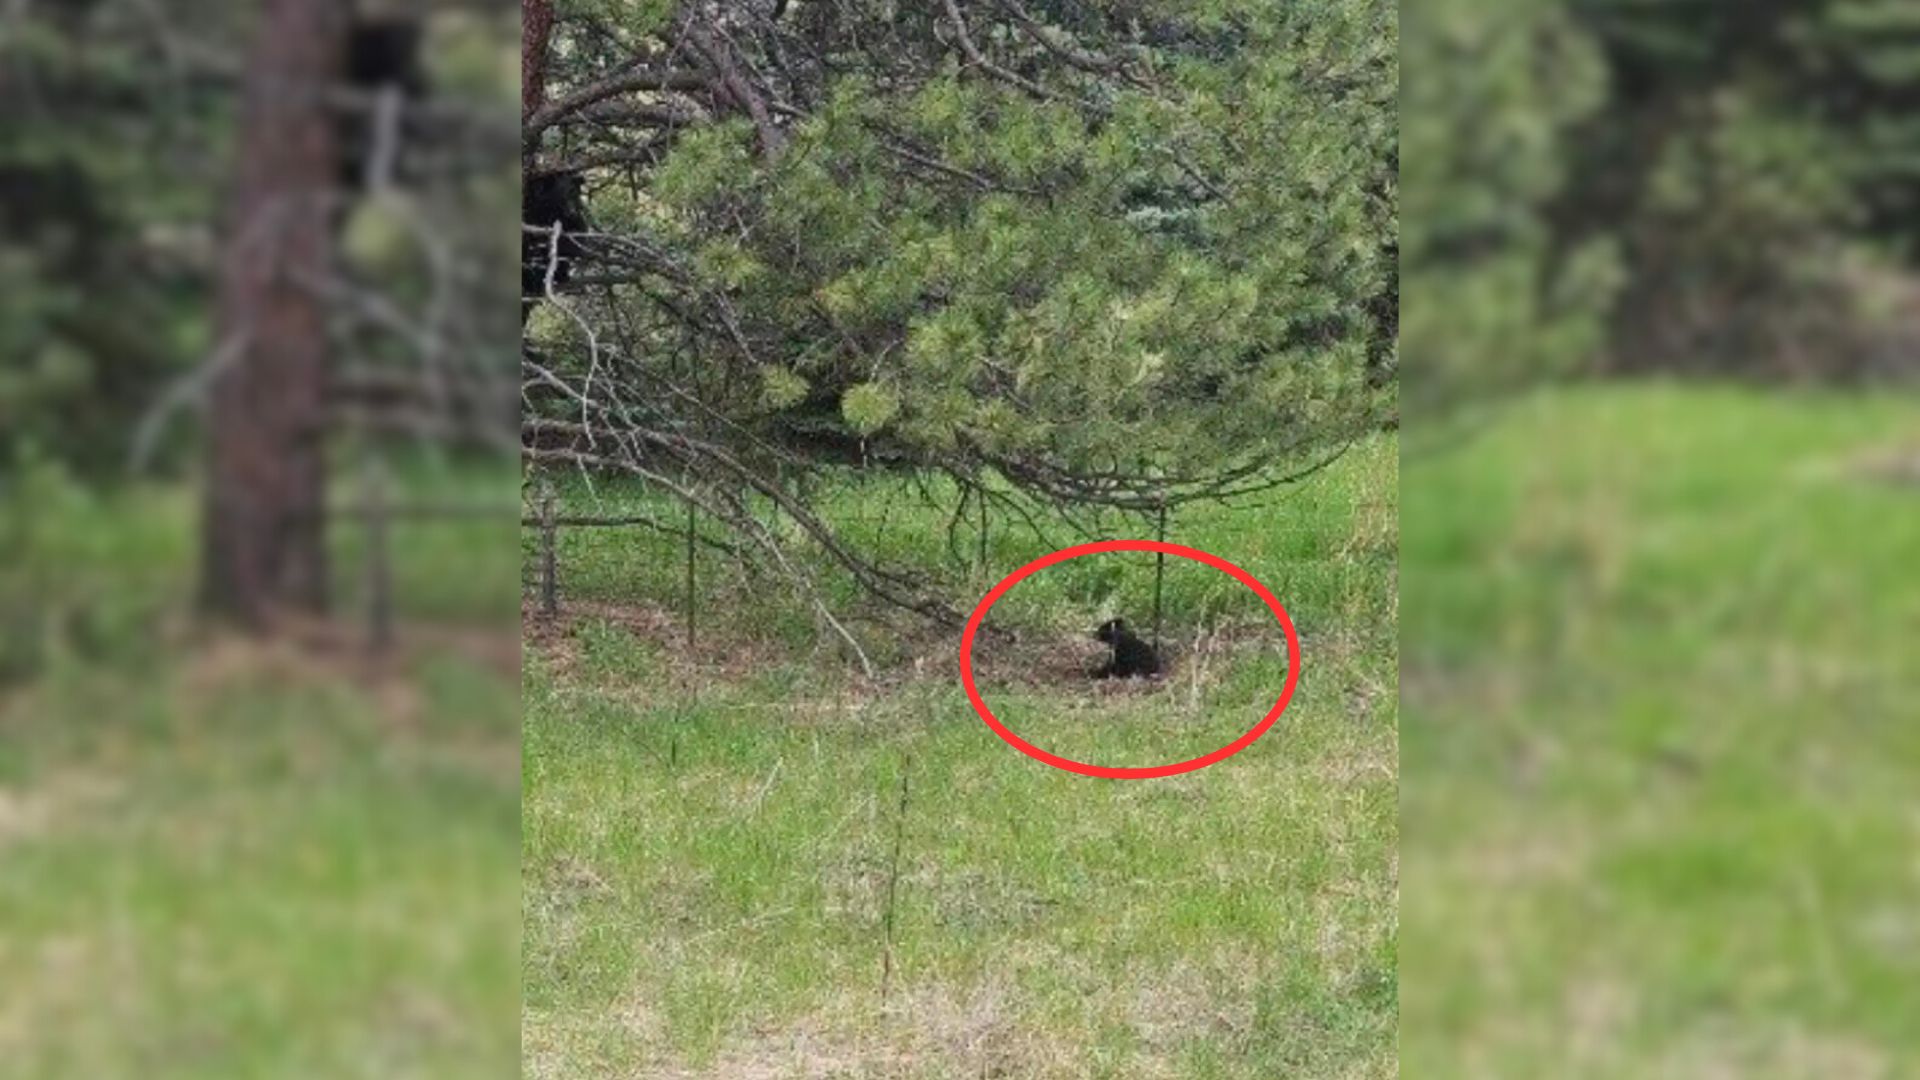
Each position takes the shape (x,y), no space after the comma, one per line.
(1118,772)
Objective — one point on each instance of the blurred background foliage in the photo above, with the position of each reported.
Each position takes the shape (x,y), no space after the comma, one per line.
(1623,186)
(227,857)
(110,163)
(109,167)
(116,153)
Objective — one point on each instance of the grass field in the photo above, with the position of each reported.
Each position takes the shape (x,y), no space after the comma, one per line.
(219,859)
(1661,764)
(744,862)
(1658,771)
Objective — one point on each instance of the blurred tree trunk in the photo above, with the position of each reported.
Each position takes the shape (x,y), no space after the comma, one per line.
(263,548)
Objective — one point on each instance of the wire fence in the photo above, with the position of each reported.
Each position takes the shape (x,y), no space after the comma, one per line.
(659,551)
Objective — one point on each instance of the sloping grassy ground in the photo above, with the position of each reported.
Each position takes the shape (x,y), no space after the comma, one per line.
(1662,748)
(742,861)
(223,860)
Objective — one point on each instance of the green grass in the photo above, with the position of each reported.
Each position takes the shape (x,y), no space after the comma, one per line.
(86,576)
(1324,547)
(224,860)
(709,840)
(1660,758)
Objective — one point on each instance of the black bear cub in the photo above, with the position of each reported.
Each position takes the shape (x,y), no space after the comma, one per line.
(1131,656)
(382,53)
(547,199)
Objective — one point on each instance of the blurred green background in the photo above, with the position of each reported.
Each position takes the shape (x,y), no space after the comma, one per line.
(1660,539)
(220,855)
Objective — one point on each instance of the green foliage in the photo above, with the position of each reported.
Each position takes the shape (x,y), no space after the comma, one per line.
(781,388)
(115,154)
(377,237)
(467,57)
(1872,50)
(1178,272)
(868,407)
(94,314)
(1619,185)
(1494,298)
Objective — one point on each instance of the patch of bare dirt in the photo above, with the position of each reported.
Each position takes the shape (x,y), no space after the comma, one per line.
(317,650)
(28,812)
(988,1030)
(1064,660)
(1034,658)
(1895,465)
(321,655)
(1038,659)
(979,1033)
(715,654)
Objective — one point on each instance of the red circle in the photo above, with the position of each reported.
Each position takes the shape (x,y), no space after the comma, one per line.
(1122,772)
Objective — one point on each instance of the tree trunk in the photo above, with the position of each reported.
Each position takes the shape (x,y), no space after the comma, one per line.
(263,549)
(536,28)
